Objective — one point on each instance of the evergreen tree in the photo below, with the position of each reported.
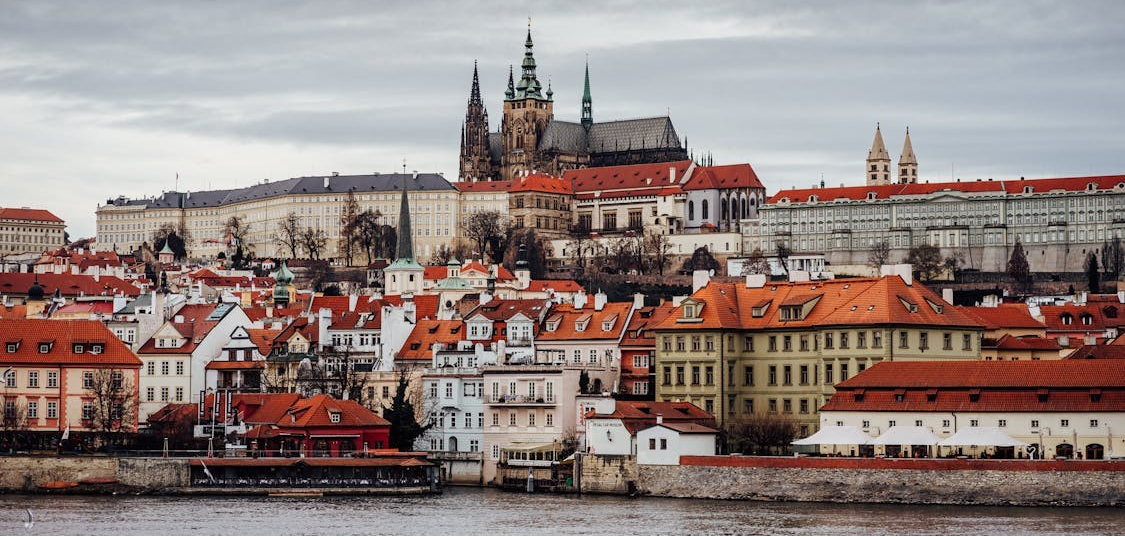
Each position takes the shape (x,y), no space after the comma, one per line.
(405,428)
(1093,276)
(1018,267)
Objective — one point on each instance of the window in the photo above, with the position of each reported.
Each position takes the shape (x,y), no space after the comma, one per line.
(680,374)
(843,340)
(947,341)
(695,375)
(903,339)
(652,443)
(667,375)
(593,356)
(640,360)
(150,368)
(179,394)
(748,375)
(150,393)
(666,343)
(164,394)
(804,406)
(164,368)
(52,410)
(828,373)
(32,379)
(44,348)
(531,419)
(773,375)
(1034,424)
(773,344)
(87,410)
(334,417)
(923,340)
(695,343)
(787,343)
(531,390)
(843,372)
(787,406)
(866,424)
(773,405)
(966,342)
(448,389)
(640,388)
(974,423)
(1002,423)
(480,420)
(804,374)
(180,367)
(52,379)
(88,379)
(1093,423)
(787,375)
(804,343)
(891,423)
(550,419)
(877,339)
(386,391)
(709,375)
(945,423)
(917,423)
(1064,423)
(495,419)
(680,343)
(748,344)
(495,451)
(664,441)
(828,343)
(861,340)
(512,419)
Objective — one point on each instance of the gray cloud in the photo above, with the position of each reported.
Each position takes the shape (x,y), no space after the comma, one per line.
(106,98)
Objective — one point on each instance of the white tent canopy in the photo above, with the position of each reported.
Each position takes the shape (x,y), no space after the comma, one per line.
(901,435)
(981,436)
(836,435)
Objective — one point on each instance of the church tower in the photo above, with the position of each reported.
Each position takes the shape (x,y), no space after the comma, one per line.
(476,164)
(907,162)
(587,102)
(404,275)
(526,114)
(878,161)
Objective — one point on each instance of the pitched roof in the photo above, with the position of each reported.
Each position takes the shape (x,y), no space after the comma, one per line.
(1031,343)
(538,182)
(570,318)
(852,301)
(419,344)
(1098,352)
(263,338)
(688,428)
(1003,316)
(558,286)
(40,215)
(62,336)
(643,321)
(1055,317)
(17,283)
(638,415)
(991,374)
(1012,187)
(483,186)
(633,134)
(628,177)
(315,412)
(503,309)
(728,176)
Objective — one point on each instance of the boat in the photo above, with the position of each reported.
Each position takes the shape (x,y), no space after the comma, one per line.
(59,485)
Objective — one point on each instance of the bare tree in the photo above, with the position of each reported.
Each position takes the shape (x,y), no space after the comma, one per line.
(783,253)
(174,236)
(659,250)
(238,231)
(15,413)
(487,231)
(348,228)
(289,233)
(763,434)
(376,238)
(879,254)
(445,253)
(926,261)
(113,401)
(313,241)
(757,264)
(1113,258)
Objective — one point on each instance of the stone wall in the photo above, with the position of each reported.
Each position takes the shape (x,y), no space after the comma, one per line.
(28,473)
(609,474)
(1092,484)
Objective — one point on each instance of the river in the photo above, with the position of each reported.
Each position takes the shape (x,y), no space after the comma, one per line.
(472,511)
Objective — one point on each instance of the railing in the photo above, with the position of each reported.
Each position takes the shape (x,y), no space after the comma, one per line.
(304,482)
(520,400)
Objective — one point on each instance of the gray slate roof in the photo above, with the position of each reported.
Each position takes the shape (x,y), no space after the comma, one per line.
(606,137)
(299,185)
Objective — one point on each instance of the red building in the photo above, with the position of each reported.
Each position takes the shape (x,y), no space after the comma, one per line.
(318,427)
(638,352)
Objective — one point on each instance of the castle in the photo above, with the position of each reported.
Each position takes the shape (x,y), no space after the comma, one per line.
(530,138)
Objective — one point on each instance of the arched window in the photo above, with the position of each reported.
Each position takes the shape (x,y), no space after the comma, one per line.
(691,210)
(705,216)
(723,210)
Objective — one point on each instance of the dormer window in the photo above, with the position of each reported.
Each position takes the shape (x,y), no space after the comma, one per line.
(1091,186)
(791,313)
(910,306)
(13,346)
(759,309)
(1066,319)
(938,308)
(97,348)
(79,348)
(870,195)
(1027,190)
(689,311)
(44,348)
(1086,318)
(334,417)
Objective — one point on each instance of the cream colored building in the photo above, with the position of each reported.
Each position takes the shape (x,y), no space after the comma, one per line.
(123,223)
(24,230)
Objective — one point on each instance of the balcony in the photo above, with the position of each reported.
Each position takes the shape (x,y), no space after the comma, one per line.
(520,400)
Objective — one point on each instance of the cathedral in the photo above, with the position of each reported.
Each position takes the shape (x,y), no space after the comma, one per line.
(530,137)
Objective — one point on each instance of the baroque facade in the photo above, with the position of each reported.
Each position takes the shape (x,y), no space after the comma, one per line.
(531,139)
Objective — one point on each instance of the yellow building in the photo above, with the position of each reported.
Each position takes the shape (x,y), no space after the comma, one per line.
(737,349)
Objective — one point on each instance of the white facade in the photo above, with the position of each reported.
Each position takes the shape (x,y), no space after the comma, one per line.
(1080,430)
(608,436)
(663,445)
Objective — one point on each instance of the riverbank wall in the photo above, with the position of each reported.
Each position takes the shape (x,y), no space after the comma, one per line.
(844,480)
(26,474)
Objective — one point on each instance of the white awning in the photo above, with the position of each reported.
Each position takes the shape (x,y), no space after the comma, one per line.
(981,436)
(836,435)
(901,435)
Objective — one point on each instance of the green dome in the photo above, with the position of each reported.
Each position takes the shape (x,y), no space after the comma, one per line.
(284,276)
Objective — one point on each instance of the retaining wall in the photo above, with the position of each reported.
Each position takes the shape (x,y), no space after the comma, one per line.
(27,473)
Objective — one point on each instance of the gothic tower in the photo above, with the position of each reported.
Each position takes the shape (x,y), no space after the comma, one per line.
(475,162)
(526,113)
(878,161)
(907,162)
(404,275)
(587,103)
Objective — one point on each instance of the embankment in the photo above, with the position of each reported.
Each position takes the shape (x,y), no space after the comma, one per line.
(26,474)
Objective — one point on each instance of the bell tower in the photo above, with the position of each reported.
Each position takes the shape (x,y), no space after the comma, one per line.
(526,114)
(907,162)
(878,161)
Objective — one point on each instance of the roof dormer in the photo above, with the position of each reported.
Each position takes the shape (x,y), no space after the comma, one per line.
(691,311)
(581,323)
(607,323)
(910,306)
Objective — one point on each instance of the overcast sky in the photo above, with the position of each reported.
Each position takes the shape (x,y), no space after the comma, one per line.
(99,99)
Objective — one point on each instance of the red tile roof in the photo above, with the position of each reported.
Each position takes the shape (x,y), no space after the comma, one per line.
(263,338)
(40,215)
(1026,343)
(1003,316)
(504,309)
(643,321)
(17,283)
(558,286)
(227,365)
(844,302)
(1055,318)
(98,306)
(419,344)
(639,415)
(568,318)
(729,176)
(1098,352)
(315,412)
(62,335)
(537,182)
(629,177)
(1071,184)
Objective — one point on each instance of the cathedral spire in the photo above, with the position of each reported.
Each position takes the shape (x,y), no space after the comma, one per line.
(587,102)
(528,86)
(907,162)
(511,91)
(878,161)
(474,93)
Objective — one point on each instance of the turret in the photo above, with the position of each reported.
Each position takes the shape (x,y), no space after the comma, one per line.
(907,162)
(878,161)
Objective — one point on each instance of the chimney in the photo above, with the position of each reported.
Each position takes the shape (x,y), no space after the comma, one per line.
(638,300)
(327,182)
(324,321)
(671,175)
(1064,341)
(755,281)
(799,276)
(179,319)
(599,300)
(902,270)
(659,418)
(947,295)
(353,299)
(579,300)
(699,279)
(1090,339)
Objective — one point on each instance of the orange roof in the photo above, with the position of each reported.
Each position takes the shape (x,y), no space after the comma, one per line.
(1072,184)
(503,309)
(263,338)
(538,182)
(1098,352)
(1028,343)
(729,176)
(40,215)
(98,306)
(17,283)
(315,412)
(13,312)
(852,301)
(639,415)
(558,286)
(1073,318)
(1003,316)
(482,186)
(419,345)
(62,336)
(565,320)
(642,323)
(627,177)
